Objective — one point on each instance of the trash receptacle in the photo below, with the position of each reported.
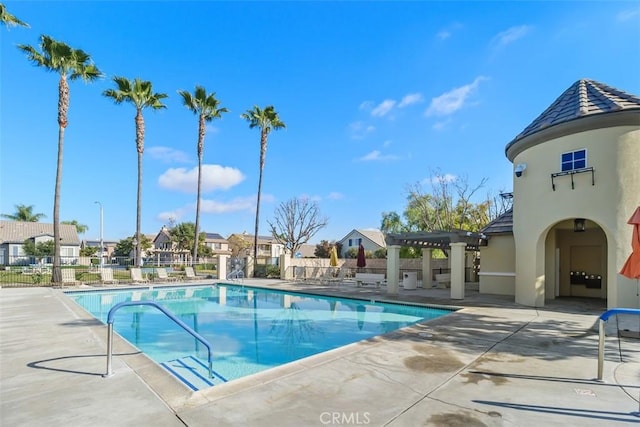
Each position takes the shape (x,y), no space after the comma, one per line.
(410,280)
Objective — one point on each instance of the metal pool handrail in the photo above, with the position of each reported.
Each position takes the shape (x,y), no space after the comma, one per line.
(167,313)
(603,318)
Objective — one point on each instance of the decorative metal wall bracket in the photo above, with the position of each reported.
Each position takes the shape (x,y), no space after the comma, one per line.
(571,173)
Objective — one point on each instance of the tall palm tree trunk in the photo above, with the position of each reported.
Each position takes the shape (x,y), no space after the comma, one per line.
(197,230)
(201,133)
(140,147)
(57,273)
(263,151)
(63,107)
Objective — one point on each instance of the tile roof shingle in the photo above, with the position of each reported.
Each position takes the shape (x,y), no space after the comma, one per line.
(18,232)
(584,98)
(502,224)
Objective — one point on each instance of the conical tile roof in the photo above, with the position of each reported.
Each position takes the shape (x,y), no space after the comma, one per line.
(585,98)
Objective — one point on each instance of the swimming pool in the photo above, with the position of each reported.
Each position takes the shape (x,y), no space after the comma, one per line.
(249,329)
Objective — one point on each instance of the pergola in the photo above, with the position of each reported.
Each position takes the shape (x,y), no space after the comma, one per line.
(456,242)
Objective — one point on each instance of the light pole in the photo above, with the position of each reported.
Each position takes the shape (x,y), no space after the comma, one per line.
(101,236)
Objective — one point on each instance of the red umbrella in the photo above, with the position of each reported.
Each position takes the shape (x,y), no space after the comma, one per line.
(362,262)
(631,268)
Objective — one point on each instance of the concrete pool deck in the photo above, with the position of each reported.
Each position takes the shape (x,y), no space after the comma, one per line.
(492,363)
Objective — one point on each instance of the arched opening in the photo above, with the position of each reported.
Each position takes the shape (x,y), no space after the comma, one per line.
(576,260)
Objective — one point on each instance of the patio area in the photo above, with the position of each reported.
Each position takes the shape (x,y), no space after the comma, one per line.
(492,363)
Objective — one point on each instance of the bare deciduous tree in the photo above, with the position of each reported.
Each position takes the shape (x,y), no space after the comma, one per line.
(447,206)
(295,222)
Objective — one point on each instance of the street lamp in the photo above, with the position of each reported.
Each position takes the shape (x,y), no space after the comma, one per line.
(101,236)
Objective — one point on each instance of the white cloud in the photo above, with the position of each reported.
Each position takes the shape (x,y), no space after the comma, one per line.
(171,217)
(234,205)
(357,126)
(366,105)
(439,179)
(214,177)
(628,15)
(334,195)
(452,101)
(383,108)
(167,154)
(312,198)
(441,124)
(375,155)
(209,128)
(510,35)
(210,206)
(359,129)
(448,31)
(412,98)
(387,143)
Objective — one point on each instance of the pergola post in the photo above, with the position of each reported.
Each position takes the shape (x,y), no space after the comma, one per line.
(427,280)
(393,269)
(457,269)
(222,266)
(286,273)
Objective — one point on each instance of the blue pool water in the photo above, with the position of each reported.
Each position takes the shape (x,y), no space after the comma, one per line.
(249,329)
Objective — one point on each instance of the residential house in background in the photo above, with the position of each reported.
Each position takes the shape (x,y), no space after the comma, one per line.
(14,233)
(371,240)
(217,244)
(576,184)
(269,250)
(107,249)
(306,251)
(165,251)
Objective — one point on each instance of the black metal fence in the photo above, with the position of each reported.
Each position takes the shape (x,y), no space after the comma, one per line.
(38,272)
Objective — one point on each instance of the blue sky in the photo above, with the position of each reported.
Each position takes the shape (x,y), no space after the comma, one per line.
(377,97)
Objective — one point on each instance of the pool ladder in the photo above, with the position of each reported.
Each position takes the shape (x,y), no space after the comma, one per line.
(163,310)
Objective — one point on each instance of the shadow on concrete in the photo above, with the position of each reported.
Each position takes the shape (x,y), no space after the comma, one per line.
(83,322)
(553,379)
(37,364)
(546,339)
(628,417)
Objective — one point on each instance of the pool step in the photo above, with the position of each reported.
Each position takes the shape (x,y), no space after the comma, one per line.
(193,372)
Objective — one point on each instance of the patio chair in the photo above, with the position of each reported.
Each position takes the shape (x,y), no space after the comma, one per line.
(190,274)
(69,277)
(343,277)
(136,276)
(326,276)
(163,276)
(106,276)
(313,275)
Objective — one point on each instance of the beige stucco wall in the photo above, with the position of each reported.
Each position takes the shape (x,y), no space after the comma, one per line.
(614,153)
(497,265)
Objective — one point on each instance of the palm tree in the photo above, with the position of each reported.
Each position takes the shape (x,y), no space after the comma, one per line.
(140,94)
(24,213)
(80,228)
(73,64)
(206,107)
(266,120)
(8,20)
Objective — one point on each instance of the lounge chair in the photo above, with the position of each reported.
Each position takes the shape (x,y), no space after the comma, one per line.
(163,276)
(343,277)
(69,277)
(326,276)
(136,276)
(190,273)
(313,276)
(106,276)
